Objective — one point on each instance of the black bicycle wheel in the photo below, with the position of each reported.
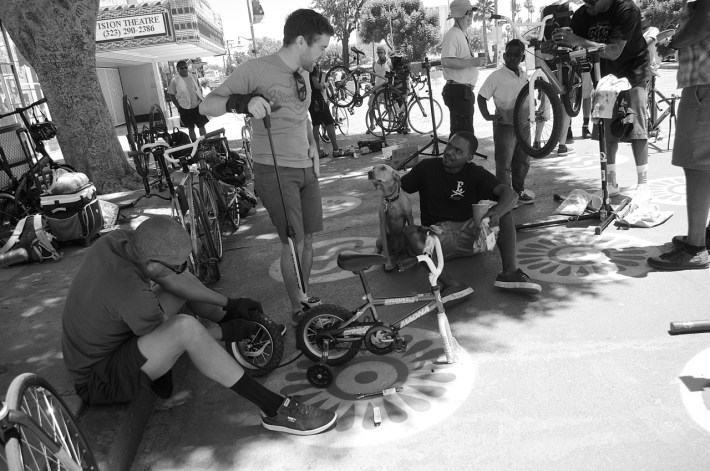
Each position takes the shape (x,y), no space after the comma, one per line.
(389,109)
(340,86)
(419,115)
(572,100)
(135,139)
(341,118)
(539,137)
(214,207)
(11,211)
(309,336)
(206,260)
(38,399)
(261,346)
(323,133)
(158,125)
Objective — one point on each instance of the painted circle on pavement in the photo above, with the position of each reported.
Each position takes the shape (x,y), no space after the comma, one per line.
(573,256)
(325,253)
(669,190)
(432,391)
(579,161)
(334,205)
(694,384)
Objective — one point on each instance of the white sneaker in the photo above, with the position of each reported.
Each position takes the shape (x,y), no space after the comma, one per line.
(642,194)
(613,189)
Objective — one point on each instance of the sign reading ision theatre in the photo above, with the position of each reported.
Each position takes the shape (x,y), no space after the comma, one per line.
(131,27)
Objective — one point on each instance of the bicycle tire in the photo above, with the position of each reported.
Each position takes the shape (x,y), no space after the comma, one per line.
(323,133)
(11,211)
(135,139)
(206,260)
(246,147)
(390,111)
(178,213)
(548,108)
(157,124)
(345,86)
(572,100)
(341,118)
(38,399)
(261,348)
(213,209)
(419,115)
(320,317)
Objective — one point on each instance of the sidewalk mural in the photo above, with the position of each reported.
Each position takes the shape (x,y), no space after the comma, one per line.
(669,190)
(325,254)
(577,161)
(335,205)
(694,384)
(432,391)
(579,256)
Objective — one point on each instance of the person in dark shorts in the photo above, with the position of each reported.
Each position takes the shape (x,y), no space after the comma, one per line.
(123,330)
(320,114)
(186,95)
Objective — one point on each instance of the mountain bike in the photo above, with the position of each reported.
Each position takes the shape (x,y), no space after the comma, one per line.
(187,208)
(419,107)
(38,431)
(343,85)
(537,118)
(332,335)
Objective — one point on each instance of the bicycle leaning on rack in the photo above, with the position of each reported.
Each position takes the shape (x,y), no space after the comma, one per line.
(38,431)
(20,195)
(660,107)
(332,335)
(419,107)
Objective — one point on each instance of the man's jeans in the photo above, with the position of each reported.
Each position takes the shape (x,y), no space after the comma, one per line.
(510,158)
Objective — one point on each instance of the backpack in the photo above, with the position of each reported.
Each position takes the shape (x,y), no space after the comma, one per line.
(29,242)
(179,138)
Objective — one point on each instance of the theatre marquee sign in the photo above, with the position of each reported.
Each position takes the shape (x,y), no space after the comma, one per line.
(131,27)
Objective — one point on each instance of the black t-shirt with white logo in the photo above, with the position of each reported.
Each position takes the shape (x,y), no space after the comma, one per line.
(621,21)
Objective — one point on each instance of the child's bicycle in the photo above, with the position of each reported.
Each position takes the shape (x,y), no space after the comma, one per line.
(332,335)
(38,431)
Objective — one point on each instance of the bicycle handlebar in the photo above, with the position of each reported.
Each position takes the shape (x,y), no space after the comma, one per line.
(167,150)
(22,110)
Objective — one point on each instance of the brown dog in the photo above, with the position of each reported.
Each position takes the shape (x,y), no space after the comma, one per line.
(395,213)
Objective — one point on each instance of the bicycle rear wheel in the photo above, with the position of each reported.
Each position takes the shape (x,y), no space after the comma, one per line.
(214,208)
(261,347)
(419,115)
(341,118)
(538,138)
(158,125)
(572,100)
(11,211)
(204,251)
(341,86)
(389,109)
(309,334)
(38,399)
(135,139)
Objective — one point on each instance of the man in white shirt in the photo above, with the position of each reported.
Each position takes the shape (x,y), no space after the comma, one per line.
(460,68)
(186,95)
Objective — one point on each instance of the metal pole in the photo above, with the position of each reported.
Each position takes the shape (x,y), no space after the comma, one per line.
(251,25)
(13,65)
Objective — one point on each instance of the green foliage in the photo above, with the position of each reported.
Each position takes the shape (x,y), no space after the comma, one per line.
(414,31)
(666,13)
(343,15)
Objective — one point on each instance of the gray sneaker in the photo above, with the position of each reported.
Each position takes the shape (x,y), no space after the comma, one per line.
(297,418)
(518,282)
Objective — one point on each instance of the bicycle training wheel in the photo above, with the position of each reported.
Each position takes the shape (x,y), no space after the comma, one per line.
(419,115)
(261,346)
(309,334)
(214,207)
(572,100)
(204,251)
(340,86)
(38,399)
(539,137)
(158,125)
(389,109)
(11,211)
(135,139)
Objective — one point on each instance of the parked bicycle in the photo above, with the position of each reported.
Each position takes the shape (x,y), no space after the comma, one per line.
(419,107)
(157,129)
(341,119)
(344,86)
(660,107)
(38,431)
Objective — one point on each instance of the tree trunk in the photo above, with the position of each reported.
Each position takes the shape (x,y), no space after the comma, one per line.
(57,37)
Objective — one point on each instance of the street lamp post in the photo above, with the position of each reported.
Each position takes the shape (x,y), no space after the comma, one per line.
(251,25)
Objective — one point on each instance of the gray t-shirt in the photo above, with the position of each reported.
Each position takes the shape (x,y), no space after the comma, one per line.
(271,77)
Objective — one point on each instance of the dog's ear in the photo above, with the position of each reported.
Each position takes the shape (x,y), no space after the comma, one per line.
(396,176)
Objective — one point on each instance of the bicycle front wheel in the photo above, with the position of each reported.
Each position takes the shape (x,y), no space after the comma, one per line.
(419,115)
(260,347)
(158,125)
(340,86)
(341,118)
(35,397)
(538,137)
(389,110)
(204,251)
(135,139)
(572,100)
(11,211)
(214,208)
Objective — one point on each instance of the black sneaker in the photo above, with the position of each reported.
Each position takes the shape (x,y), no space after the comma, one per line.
(585,133)
(518,282)
(526,197)
(297,418)
(570,137)
(680,258)
(453,295)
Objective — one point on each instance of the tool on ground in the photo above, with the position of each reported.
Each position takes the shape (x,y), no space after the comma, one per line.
(384,392)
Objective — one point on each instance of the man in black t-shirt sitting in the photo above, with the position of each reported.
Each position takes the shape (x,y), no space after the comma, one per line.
(617,24)
(447,188)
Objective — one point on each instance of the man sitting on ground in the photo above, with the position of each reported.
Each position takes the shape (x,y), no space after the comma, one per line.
(122,329)
(447,188)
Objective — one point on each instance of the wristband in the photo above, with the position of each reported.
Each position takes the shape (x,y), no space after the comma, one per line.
(237,103)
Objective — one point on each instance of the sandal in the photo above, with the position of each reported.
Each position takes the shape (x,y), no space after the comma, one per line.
(323,154)
(339,153)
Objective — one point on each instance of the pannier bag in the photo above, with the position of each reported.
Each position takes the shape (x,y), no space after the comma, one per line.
(75,215)
(29,242)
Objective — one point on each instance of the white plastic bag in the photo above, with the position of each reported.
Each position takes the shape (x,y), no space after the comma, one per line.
(65,182)
(644,215)
(487,237)
(577,202)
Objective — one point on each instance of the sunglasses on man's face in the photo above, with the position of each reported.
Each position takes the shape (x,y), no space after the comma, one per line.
(300,86)
(175,268)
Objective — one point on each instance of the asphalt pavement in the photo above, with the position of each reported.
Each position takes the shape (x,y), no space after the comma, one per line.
(583,376)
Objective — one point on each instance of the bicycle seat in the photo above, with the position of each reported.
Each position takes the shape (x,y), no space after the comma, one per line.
(357,51)
(355,261)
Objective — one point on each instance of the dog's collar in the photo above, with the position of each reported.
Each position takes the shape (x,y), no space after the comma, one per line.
(391,198)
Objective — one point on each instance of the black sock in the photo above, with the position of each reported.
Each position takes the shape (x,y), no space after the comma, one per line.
(585,122)
(694,249)
(251,390)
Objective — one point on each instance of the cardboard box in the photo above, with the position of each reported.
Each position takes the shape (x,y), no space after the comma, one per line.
(402,153)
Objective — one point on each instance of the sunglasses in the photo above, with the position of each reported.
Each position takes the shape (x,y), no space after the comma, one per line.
(300,86)
(175,268)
